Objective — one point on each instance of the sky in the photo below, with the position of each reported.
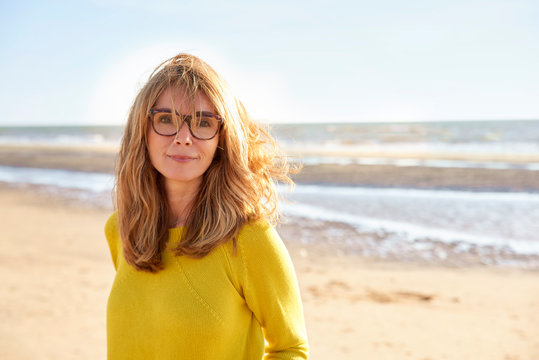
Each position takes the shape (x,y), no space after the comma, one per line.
(82,62)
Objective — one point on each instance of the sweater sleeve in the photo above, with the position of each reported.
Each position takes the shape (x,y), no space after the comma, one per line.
(272,293)
(112,235)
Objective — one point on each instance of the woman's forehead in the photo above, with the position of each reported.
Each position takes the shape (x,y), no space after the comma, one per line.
(178,99)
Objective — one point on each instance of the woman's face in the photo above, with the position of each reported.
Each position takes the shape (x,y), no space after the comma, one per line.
(181,159)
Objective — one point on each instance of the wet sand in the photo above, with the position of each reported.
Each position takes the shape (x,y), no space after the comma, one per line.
(77,158)
(421,177)
(56,274)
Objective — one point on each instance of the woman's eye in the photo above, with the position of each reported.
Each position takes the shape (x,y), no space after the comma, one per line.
(205,123)
(165,119)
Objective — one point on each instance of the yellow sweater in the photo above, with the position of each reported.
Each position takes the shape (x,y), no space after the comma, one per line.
(224,306)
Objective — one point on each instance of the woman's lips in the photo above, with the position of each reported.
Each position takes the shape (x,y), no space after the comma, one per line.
(182,158)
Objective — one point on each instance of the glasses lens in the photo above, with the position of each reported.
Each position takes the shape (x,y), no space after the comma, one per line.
(205,126)
(164,123)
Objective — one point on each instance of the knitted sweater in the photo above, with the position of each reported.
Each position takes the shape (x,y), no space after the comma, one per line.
(224,306)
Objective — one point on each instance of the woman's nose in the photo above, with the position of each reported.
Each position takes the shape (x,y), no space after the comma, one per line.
(183,136)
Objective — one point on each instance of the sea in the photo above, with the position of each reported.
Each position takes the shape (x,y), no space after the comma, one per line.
(447,227)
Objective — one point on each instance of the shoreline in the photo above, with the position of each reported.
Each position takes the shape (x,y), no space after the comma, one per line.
(314,236)
(102,159)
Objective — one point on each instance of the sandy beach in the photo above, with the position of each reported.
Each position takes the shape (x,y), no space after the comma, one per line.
(57,272)
(56,275)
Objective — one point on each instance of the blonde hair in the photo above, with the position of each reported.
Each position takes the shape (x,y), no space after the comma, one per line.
(238,187)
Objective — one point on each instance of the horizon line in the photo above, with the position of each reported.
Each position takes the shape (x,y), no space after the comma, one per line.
(292,122)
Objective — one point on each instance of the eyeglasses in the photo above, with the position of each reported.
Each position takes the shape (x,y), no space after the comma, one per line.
(204,126)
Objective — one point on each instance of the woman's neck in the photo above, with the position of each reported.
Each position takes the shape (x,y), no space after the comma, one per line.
(180,198)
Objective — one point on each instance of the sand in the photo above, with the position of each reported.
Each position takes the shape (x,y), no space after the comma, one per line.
(56,274)
(78,158)
(418,177)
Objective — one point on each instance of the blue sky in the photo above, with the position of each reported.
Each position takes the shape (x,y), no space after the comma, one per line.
(81,62)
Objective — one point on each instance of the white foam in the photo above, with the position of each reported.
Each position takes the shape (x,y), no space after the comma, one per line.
(356,191)
(407,231)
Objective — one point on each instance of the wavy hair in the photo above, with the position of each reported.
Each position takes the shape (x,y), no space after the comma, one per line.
(238,187)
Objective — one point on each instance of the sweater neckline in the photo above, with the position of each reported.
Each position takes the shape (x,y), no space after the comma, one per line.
(175,235)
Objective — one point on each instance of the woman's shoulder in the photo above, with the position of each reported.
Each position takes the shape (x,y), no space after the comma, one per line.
(255,227)
(256,230)
(111,226)
(112,235)
(258,237)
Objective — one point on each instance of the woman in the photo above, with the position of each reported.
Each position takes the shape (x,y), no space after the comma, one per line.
(200,272)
